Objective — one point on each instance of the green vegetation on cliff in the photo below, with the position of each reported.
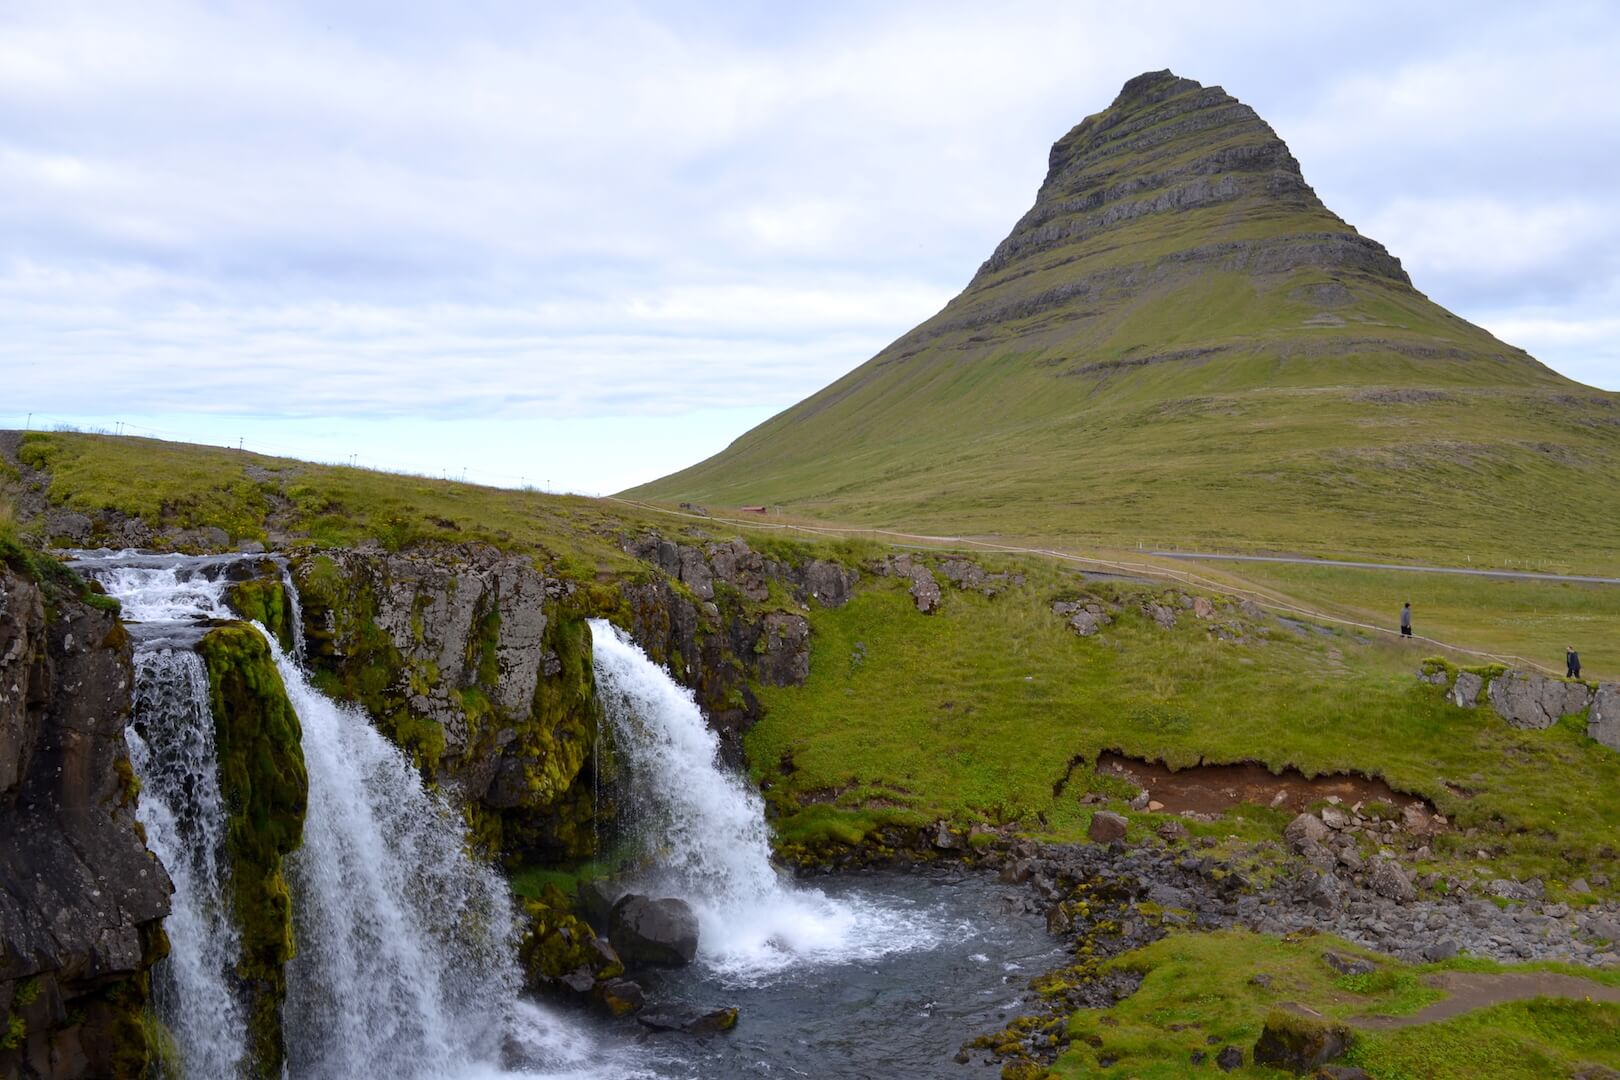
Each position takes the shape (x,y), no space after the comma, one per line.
(261,772)
(1180,345)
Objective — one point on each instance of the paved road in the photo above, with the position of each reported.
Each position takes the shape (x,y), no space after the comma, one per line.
(1470,571)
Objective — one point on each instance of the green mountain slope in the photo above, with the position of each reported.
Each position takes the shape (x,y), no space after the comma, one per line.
(1179,344)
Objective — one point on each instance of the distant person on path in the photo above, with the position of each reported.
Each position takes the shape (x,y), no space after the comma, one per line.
(1572,660)
(1406,620)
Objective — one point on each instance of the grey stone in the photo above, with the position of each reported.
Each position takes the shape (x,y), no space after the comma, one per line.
(784,659)
(1348,965)
(1536,701)
(1106,826)
(1305,832)
(1389,880)
(663,932)
(1465,692)
(1444,949)
(1603,722)
(924,589)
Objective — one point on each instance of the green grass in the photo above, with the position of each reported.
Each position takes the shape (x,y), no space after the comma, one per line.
(1534,619)
(974,714)
(992,419)
(186,486)
(1202,985)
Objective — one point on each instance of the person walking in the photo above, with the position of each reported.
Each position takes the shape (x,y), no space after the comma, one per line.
(1406,620)
(1572,661)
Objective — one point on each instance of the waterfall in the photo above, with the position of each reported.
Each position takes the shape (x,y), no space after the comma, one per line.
(405,962)
(171,746)
(703,830)
(405,943)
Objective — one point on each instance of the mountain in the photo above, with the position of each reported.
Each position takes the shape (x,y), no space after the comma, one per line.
(1180,344)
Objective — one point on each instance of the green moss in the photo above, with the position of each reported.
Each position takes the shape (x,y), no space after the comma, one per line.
(16,1031)
(264,601)
(261,769)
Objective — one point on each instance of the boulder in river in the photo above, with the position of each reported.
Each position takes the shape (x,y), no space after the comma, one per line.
(648,931)
(690,1020)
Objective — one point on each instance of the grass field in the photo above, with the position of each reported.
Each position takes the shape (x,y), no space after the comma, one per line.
(1201,984)
(1534,619)
(976,713)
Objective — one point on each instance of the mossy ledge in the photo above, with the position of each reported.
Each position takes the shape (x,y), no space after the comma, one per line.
(261,771)
(264,601)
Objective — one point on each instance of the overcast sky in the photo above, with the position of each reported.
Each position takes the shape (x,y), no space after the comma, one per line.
(581,245)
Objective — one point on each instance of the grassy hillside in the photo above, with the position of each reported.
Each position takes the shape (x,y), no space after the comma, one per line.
(1180,344)
(1000,698)
(977,712)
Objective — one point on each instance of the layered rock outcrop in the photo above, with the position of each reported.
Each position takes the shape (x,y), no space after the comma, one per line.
(81,898)
(477,664)
(1531,701)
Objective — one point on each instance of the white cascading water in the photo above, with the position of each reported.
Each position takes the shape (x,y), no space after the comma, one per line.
(405,964)
(405,943)
(703,829)
(171,746)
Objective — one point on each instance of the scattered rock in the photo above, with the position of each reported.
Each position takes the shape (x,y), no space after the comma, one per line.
(1304,833)
(1389,880)
(1106,827)
(1335,818)
(1230,1058)
(1444,949)
(1172,830)
(1299,1040)
(648,931)
(1348,965)
(1202,608)
(1165,617)
(924,589)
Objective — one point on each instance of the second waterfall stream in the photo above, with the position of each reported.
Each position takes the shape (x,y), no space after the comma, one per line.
(704,839)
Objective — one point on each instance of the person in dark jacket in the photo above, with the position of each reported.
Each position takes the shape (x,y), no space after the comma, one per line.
(1406,620)
(1572,660)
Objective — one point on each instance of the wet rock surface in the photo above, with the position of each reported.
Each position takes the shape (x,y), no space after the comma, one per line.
(81,898)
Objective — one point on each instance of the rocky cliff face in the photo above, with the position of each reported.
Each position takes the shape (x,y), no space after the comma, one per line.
(81,899)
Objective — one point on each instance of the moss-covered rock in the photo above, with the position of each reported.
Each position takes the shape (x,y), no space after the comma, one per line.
(264,601)
(262,776)
(557,946)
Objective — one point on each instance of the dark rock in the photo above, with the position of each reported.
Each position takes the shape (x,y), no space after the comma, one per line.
(662,932)
(1172,830)
(1106,827)
(1444,949)
(1304,833)
(1389,880)
(1229,1059)
(81,898)
(690,1020)
(621,997)
(1299,1041)
(785,657)
(1348,965)
(596,899)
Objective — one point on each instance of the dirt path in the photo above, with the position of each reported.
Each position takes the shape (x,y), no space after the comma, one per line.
(1471,990)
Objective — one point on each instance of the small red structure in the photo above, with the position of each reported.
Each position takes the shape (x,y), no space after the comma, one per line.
(752,509)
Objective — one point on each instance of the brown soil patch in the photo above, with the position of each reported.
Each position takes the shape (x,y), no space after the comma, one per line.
(1214,789)
(1472,990)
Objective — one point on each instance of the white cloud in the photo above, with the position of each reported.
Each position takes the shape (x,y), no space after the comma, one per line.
(618,210)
